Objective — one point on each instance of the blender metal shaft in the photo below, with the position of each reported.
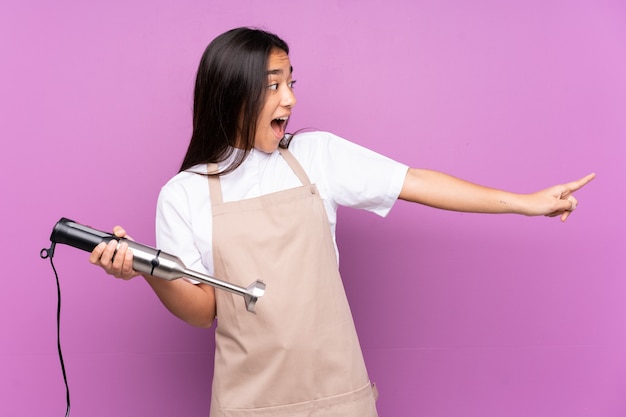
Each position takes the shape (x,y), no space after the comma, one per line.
(250,294)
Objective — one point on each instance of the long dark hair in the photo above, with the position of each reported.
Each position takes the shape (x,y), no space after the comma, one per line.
(231,84)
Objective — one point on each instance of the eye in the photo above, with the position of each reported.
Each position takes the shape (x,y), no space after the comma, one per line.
(291,83)
(273,86)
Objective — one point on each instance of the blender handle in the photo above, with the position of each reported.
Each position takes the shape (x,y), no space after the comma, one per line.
(70,233)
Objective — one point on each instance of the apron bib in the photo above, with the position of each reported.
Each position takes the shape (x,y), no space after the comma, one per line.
(299,355)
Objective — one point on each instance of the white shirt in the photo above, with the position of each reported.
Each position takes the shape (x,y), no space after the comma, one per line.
(346,174)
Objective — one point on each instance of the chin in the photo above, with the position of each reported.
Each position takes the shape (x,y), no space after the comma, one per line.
(266,149)
(268,146)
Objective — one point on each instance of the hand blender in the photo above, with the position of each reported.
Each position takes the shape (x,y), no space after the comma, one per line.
(146,259)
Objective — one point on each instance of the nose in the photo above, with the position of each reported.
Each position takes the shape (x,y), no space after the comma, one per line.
(288,98)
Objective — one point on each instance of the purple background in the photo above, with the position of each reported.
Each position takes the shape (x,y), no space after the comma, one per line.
(459,314)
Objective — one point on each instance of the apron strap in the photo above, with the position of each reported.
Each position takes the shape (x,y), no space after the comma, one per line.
(215,189)
(295,166)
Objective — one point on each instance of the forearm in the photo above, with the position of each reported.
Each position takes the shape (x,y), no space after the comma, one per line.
(194,304)
(446,192)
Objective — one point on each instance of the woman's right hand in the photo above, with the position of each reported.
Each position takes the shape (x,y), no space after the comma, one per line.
(120,265)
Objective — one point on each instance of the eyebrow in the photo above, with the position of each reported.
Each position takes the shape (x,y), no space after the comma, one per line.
(279,71)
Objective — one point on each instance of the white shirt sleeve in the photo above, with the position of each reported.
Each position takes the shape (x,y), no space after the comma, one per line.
(183,221)
(349,174)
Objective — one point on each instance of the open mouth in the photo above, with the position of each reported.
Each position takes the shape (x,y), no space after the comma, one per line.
(279,125)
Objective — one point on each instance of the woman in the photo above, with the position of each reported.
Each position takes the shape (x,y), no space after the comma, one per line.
(251,202)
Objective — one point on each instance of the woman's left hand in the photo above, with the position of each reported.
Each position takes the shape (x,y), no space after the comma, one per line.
(558,200)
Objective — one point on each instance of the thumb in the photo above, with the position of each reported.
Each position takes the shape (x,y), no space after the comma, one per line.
(121,233)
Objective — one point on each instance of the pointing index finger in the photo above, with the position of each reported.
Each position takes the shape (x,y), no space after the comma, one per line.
(577,185)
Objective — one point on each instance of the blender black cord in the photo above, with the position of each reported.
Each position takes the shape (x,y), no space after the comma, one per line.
(48,253)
